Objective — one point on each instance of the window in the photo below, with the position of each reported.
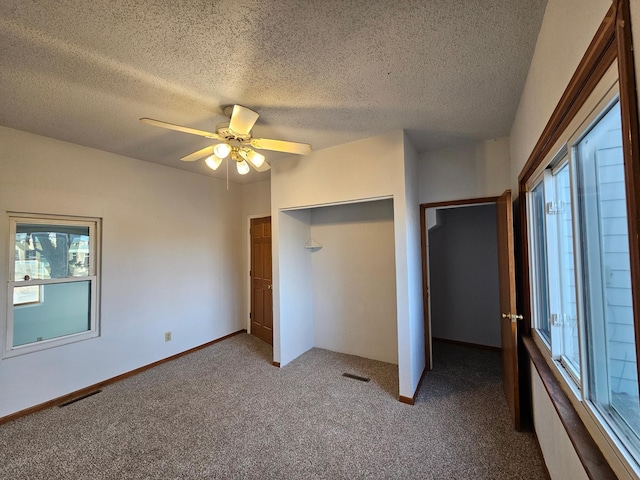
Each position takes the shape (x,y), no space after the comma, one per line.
(53,282)
(580,275)
(606,273)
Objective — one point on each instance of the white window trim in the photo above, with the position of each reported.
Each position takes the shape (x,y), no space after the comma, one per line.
(93,278)
(542,342)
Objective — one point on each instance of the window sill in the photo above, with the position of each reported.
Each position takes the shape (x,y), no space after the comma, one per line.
(590,456)
(47,344)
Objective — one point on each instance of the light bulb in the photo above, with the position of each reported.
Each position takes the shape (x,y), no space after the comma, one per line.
(222,150)
(243,167)
(256,158)
(213,162)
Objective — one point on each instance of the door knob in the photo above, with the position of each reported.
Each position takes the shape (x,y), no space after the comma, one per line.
(270,287)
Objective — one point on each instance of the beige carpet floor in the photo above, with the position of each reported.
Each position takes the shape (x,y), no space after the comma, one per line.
(225,412)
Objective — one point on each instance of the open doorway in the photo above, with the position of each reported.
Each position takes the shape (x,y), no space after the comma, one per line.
(478,244)
(463,275)
(337,281)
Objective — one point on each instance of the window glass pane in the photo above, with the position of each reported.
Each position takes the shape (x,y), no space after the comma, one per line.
(51,251)
(62,309)
(609,326)
(541,300)
(569,318)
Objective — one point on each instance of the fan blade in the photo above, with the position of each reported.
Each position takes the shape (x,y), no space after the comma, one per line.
(242,120)
(179,128)
(281,146)
(205,152)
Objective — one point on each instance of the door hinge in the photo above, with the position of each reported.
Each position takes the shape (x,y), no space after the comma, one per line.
(250,315)
(554,208)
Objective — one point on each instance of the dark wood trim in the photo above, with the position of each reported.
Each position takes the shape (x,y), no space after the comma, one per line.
(454,203)
(631,148)
(412,400)
(468,344)
(599,56)
(593,461)
(276,364)
(524,258)
(92,388)
(425,289)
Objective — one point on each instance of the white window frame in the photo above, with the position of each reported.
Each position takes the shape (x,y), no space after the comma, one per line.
(93,277)
(541,341)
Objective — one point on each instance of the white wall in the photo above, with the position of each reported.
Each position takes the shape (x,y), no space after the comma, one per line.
(567,29)
(256,203)
(561,459)
(293,334)
(408,222)
(170,257)
(367,169)
(354,288)
(468,171)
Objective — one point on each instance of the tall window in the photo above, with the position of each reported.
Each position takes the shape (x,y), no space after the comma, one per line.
(581,295)
(606,273)
(53,282)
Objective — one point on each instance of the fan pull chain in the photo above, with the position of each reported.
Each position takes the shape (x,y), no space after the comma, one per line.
(227,174)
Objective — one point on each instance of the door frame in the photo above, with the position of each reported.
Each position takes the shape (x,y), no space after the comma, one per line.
(247,273)
(425,262)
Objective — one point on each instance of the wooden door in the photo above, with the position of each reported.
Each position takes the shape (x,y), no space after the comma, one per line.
(509,320)
(261,281)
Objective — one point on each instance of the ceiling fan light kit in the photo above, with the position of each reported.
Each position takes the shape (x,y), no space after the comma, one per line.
(235,141)
(252,156)
(243,167)
(222,150)
(213,162)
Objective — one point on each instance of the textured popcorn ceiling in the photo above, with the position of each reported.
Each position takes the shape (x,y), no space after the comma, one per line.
(324,72)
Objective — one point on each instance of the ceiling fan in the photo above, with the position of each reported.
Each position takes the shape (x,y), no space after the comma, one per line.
(235,141)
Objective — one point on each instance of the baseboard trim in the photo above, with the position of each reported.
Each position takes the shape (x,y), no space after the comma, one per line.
(412,400)
(468,344)
(276,364)
(92,388)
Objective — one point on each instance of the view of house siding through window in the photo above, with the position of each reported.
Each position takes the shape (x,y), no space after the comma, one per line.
(606,271)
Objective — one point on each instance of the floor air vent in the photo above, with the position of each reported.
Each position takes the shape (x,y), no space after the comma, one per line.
(79,398)
(356,377)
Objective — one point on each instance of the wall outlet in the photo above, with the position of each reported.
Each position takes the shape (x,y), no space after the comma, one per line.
(167,336)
